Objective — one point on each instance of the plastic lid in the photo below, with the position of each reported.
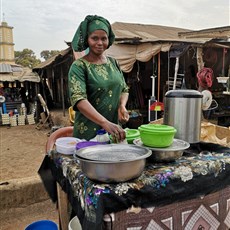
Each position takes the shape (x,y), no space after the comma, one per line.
(156,127)
(184,93)
(84,144)
(67,141)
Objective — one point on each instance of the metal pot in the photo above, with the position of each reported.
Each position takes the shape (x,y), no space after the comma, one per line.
(169,154)
(183,110)
(112,162)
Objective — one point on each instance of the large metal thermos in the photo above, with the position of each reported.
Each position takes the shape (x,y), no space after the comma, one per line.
(183,110)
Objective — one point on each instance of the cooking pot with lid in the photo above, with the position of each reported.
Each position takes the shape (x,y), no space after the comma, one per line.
(183,110)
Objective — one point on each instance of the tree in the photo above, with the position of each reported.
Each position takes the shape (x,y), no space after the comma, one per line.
(26,58)
(46,54)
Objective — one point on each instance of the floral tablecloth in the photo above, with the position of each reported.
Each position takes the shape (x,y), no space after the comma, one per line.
(203,169)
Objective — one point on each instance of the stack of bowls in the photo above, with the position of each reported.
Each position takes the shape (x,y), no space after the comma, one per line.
(157,135)
(160,140)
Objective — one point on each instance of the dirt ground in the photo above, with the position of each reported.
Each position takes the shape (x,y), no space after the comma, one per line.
(22,149)
(23,197)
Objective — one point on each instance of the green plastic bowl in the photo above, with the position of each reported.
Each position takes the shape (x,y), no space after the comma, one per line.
(131,135)
(157,135)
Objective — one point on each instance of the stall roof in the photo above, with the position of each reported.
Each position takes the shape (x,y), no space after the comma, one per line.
(214,33)
(141,42)
(25,74)
(52,60)
(219,36)
(131,33)
(10,68)
(145,33)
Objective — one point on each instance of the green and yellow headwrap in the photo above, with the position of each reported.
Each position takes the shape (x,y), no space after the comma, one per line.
(90,24)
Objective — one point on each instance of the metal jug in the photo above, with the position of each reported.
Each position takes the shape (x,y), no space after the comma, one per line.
(183,110)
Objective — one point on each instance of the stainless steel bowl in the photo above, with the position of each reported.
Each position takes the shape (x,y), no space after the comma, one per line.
(169,154)
(112,162)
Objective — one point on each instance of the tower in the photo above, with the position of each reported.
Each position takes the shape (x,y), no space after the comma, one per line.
(6,44)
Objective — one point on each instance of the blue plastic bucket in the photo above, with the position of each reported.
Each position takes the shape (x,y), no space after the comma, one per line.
(42,225)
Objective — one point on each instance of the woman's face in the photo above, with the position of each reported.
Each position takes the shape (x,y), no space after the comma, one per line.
(98,41)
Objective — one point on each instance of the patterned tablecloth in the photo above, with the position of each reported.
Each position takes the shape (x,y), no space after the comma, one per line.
(203,169)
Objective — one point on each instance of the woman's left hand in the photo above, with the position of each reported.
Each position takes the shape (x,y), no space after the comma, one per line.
(123,115)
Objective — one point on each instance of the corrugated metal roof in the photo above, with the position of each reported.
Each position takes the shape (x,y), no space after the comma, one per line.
(25,74)
(9,68)
(5,68)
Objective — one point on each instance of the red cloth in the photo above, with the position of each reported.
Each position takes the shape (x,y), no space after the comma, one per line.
(204,77)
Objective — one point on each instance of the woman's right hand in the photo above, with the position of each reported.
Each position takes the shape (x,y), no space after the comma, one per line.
(90,112)
(116,131)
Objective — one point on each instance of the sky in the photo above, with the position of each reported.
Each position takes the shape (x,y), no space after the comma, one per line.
(47,24)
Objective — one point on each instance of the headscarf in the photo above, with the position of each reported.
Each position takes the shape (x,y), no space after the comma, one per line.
(90,24)
(204,77)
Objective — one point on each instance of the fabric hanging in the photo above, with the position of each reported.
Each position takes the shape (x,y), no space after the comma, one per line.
(128,54)
(178,50)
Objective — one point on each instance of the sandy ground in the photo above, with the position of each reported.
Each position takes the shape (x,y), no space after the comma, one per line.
(23,197)
(22,149)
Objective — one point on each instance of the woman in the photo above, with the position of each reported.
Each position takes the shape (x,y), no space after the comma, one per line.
(98,92)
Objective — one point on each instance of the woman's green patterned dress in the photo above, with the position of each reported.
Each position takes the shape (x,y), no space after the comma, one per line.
(101,85)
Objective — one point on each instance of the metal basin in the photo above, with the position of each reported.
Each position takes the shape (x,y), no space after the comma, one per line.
(112,163)
(169,154)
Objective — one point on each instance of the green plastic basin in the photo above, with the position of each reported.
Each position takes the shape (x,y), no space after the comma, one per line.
(157,135)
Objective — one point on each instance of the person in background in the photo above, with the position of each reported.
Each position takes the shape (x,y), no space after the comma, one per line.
(98,91)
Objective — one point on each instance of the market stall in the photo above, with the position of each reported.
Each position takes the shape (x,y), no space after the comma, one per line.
(19,87)
(190,193)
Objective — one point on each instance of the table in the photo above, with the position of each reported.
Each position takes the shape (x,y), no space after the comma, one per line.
(178,195)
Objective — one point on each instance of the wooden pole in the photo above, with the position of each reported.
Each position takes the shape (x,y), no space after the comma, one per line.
(159,76)
(199,56)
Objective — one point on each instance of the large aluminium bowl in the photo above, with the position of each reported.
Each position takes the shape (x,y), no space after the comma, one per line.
(169,154)
(112,163)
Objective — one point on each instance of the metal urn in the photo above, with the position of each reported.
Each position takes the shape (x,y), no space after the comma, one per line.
(183,110)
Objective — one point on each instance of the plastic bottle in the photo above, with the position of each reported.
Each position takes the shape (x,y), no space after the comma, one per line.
(102,136)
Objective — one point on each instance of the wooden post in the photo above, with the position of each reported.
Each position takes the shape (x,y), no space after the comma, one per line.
(62,208)
(159,76)
(199,56)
